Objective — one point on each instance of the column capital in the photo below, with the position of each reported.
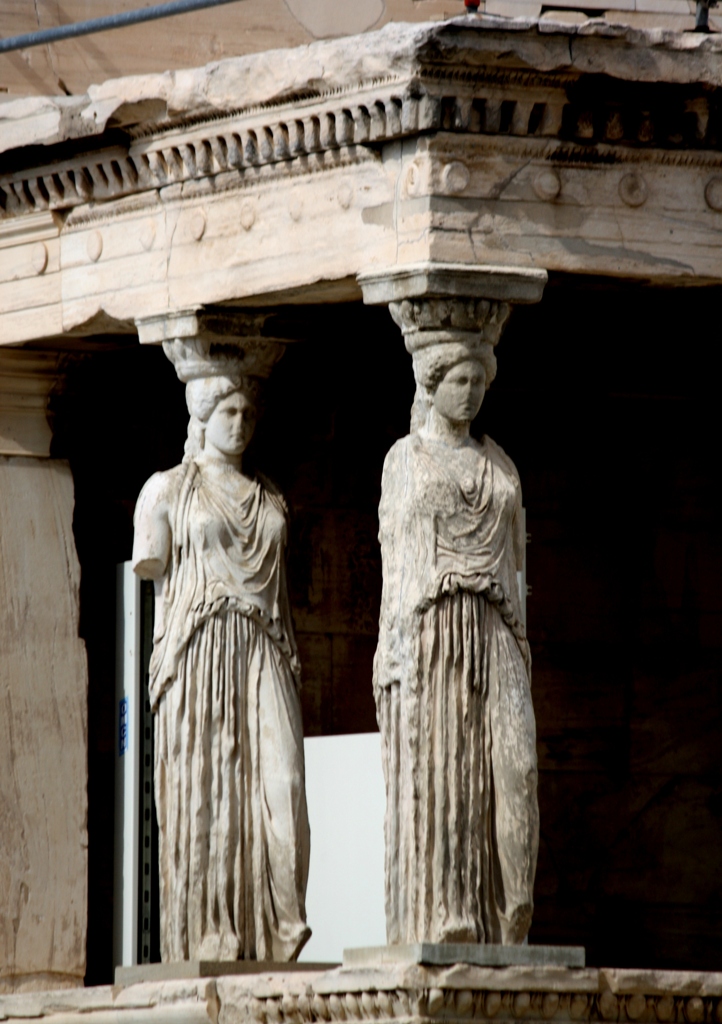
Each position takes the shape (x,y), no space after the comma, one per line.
(450,281)
(441,304)
(27,379)
(208,342)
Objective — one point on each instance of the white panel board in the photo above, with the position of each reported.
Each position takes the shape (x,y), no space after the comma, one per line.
(127,766)
(346,802)
(521,575)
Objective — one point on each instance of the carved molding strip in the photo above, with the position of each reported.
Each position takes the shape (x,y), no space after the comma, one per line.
(650,122)
(315,996)
(233,144)
(574,155)
(226,181)
(456,1004)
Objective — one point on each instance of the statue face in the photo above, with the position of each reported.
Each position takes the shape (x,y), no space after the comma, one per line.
(459,395)
(231,424)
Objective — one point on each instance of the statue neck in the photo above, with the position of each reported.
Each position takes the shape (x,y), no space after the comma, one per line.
(213,454)
(451,432)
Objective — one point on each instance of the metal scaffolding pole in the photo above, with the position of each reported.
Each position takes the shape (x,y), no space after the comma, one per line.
(110,21)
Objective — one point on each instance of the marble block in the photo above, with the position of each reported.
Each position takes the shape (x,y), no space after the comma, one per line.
(179,969)
(394,994)
(43,732)
(440,954)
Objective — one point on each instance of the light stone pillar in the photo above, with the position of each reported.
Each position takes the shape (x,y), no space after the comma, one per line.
(43,694)
(224,674)
(452,672)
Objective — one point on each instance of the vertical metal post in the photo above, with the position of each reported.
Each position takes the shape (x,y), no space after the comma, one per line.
(127,766)
(147,847)
(524,589)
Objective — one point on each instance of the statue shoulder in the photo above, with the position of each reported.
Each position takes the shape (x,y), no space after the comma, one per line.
(398,487)
(273,492)
(499,456)
(397,456)
(160,491)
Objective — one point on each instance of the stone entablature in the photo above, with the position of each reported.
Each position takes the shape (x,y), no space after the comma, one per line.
(257,25)
(471,98)
(480,141)
(427,93)
(459,993)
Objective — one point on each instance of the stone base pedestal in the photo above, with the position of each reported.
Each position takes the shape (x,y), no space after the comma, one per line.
(444,954)
(209,969)
(391,994)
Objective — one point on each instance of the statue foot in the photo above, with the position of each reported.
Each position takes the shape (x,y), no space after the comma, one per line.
(458,931)
(514,929)
(288,949)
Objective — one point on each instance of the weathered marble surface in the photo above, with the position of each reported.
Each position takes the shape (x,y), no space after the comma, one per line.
(444,954)
(476,141)
(26,380)
(410,994)
(224,677)
(181,969)
(452,671)
(43,731)
(274,74)
(254,26)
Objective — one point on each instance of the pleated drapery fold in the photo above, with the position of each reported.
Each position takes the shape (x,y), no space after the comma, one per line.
(453,696)
(234,839)
(461,820)
(224,675)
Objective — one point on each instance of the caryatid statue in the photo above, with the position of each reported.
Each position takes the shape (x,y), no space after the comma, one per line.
(452,667)
(224,676)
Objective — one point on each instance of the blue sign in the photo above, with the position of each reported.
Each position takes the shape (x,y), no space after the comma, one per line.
(122,726)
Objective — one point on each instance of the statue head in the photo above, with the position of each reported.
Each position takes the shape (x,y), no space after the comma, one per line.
(443,334)
(452,378)
(459,394)
(223,412)
(223,379)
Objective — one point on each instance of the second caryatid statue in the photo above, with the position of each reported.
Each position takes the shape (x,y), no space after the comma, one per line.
(452,669)
(229,766)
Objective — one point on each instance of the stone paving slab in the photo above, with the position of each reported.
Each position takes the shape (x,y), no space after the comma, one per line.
(210,969)
(438,954)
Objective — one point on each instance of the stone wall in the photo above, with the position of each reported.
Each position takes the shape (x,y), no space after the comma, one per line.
(606,400)
(43,728)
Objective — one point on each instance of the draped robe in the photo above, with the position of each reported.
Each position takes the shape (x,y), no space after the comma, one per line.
(229,769)
(453,695)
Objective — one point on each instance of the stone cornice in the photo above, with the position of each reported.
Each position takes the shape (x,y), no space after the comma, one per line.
(403,81)
(279,179)
(277,77)
(449,280)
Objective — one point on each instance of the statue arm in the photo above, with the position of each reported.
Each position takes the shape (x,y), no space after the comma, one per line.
(152,540)
(518,528)
(517,523)
(392,535)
